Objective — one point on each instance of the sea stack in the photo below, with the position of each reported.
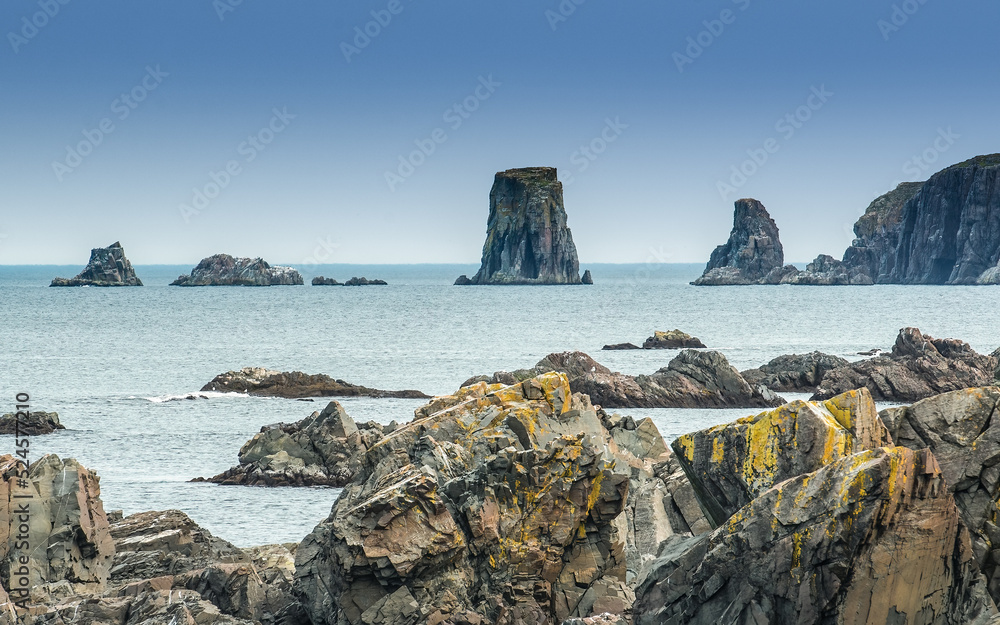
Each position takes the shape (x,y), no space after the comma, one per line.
(752,252)
(107,267)
(224,270)
(527,239)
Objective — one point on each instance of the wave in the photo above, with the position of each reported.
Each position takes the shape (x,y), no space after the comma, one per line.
(196,396)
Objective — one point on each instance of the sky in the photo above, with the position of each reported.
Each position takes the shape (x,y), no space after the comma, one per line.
(370,131)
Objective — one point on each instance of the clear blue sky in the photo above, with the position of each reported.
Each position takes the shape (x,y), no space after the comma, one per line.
(534,81)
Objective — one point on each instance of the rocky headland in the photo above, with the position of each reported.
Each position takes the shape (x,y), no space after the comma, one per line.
(693,379)
(528,240)
(261,382)
(37,423)
(752,252)
(108,266)
(224,270)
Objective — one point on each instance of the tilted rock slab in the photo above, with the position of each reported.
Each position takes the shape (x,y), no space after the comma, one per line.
(919,367)
(873,538)
(730,465)
(108,267)
(500,504)
(795,373)
(262,382)
(528,240)
(693,379)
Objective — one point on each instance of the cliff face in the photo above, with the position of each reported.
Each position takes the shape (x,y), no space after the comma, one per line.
(224,270)
(946,232)
(527,241)
(752,252)
(107,267)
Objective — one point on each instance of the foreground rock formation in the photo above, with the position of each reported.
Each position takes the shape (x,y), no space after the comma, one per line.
(325,449)
(501,505)
(261,382)
(752,252)
(224,270)
(108,266)
(693,379)
(528,240)
(918,367)
(819,519)
(795,373)
(37,423)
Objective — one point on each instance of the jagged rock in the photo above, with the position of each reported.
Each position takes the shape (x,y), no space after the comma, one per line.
(37,423)
(321,281)
(962,430)
(944,233)
(674,339)
(499,504)
(619,347)
(752,252)
(463,280)
(365,282)
(871,538)
(731,465)
(588,278)
(527,240)
(872,254)
(600,619)
(261,382)
(224,270)
(824,271)
(108,266)
(324,449)
(919,366)
(693,379)
(794,373)
(989,277)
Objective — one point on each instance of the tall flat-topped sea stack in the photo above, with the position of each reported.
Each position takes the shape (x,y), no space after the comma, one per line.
(224,270)
(107,267)
(527,239)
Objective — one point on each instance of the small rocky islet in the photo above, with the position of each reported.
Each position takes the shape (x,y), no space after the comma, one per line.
(108,267)
(225,270)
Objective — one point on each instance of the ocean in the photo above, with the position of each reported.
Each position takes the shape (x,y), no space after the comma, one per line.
(116,363)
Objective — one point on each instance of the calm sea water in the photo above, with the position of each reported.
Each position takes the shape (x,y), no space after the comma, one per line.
(112,362)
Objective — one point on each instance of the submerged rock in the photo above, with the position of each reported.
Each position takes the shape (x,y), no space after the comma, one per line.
(870,538)
(325,449)
(795,373)
(224,270)
(674,339)
(693,379)
(918,367)
(501,505)
(528,240)
(262,382)
(752,252)
(108,266)
(37,423)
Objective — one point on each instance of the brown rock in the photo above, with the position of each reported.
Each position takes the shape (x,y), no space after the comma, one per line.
(262,382)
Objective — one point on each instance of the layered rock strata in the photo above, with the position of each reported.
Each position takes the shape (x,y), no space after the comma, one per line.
(752,252)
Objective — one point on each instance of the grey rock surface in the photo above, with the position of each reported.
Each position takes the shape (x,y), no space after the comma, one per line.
(108,266)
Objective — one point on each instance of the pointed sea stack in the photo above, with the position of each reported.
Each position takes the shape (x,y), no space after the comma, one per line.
(752,252)
(527,240)
(107,267)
